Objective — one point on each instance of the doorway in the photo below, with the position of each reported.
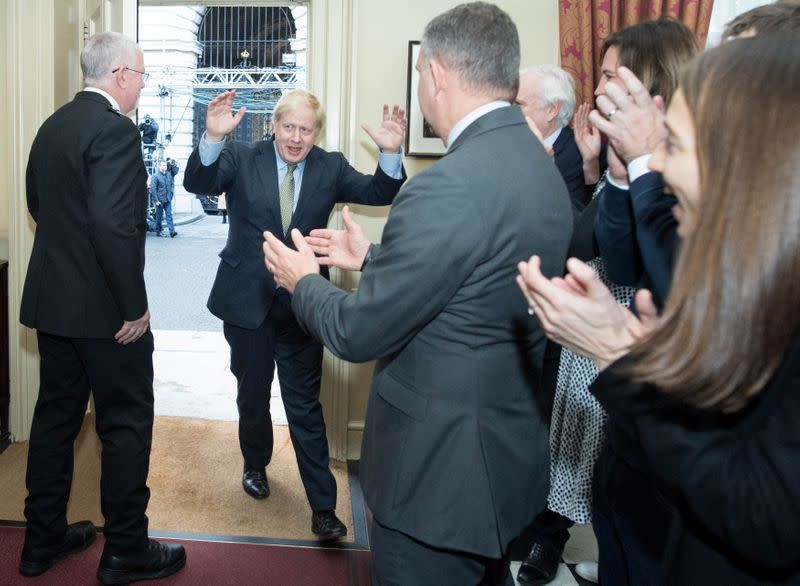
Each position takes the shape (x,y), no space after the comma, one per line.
(193,53)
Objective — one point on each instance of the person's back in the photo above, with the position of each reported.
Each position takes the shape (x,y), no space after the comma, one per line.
(74,222)
(85,295)
(476,349)
(454,441)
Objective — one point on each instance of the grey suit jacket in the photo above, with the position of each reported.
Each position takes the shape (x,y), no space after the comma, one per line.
(455,450)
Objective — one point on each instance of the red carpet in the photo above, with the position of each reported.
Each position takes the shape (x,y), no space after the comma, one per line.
(208,563)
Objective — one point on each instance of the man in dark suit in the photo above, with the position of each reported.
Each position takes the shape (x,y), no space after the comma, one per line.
(454,460)
(85,295)
(547,96)
(275,185)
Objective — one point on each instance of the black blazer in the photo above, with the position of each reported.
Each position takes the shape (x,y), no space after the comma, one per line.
(455,451)
(87,193)
(637,234)
(247,173)
(734,480)
(570,164)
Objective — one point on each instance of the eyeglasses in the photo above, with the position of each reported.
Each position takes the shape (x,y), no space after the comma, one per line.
(142,73)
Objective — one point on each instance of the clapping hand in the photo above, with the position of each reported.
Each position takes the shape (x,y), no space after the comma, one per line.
(286,265)
(630,117)
(220,120)
(392,132)
(580,313)
(344,249)
(587,139)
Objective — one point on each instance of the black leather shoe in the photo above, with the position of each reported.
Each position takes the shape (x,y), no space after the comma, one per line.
(540,567)
(37,560)
(173,234)
(327,525)
(157,560)
(255,483)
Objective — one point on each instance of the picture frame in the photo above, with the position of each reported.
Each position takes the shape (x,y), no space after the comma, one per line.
(421,140)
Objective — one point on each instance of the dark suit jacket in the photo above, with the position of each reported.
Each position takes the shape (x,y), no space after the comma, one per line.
(637,234)
(243,289)
(86,187)
(734,480)
(570,164)
(455,450)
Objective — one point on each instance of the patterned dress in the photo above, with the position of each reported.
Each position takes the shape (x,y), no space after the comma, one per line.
(576,428)
(578,420)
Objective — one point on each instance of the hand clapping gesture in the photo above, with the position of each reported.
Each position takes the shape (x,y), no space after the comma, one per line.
(392,132)
(631,118)
(580,313)
(344,249)
(286,265)
(587,139)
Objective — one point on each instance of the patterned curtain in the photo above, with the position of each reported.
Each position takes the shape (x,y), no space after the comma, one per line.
(584,25)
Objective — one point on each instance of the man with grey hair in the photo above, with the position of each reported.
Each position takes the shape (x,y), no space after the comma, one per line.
(547,97)
(454,460)
(85,295)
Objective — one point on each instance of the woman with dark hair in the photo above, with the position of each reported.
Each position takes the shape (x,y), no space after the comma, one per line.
(707,392)
(654,50)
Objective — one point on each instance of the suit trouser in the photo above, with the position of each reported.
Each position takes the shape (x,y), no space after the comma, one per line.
(254,353)
(401,560)
(121,380)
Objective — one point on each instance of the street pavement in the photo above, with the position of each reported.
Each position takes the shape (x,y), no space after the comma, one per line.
(191,361)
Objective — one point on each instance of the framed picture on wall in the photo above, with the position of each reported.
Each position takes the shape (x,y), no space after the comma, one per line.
(421,140)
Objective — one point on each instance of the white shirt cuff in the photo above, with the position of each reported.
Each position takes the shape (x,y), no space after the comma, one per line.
(610,180)
(638,167)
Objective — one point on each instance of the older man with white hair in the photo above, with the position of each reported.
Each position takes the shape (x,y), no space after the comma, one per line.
(547,98)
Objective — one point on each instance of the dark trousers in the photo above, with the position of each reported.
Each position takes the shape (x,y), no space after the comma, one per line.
(551,530)
(254,353)
(401,560)
(121,380)
(631,523)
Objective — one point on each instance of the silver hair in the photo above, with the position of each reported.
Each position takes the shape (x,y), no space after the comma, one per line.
(104,52)
(557,86)
(480,42)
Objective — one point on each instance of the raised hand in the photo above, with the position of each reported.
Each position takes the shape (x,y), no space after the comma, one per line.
(286,265)
(220,119)
(630,117)
(344,249)
(392,132)
(133,330)
(587,139)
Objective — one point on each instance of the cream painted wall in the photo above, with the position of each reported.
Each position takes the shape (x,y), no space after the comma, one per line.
(67,49)
(381,31)
(5,136)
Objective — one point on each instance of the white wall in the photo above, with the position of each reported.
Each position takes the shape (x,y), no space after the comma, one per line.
(168,37)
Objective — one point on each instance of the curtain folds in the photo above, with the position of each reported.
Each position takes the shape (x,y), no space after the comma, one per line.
(584,25)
